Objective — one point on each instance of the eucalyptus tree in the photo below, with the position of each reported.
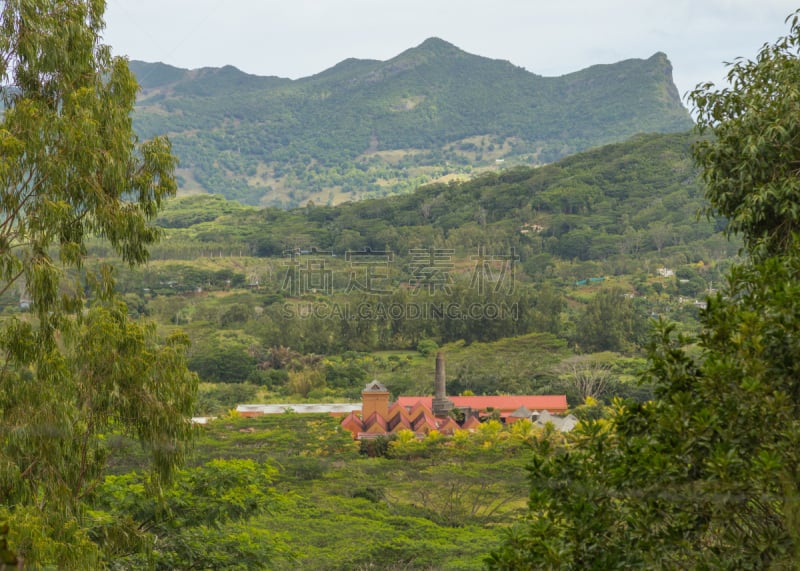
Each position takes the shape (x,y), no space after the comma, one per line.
(71,170)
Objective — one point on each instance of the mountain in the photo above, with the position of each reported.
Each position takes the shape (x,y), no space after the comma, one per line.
(366,128)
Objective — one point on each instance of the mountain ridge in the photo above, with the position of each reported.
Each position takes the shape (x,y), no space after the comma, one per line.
(366,128)
(432,45)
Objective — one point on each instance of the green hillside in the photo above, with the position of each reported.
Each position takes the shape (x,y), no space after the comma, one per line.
(368,128)
(588,235)
(627,198)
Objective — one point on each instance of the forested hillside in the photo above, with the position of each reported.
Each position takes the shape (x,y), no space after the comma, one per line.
(627,198)
(555,262)
(369,128)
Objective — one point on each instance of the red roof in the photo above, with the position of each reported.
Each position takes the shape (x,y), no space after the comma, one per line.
(424,422)
(551,403)
(353,423)
(470,423)
(448,426)
(398,422)
(374,420)
(420,419)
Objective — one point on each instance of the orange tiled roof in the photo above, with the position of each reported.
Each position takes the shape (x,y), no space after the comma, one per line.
(395,409)
(448,426)
(398,422)
(414,413)
(470,423)
(375,424)
(424,422)
(353,423)
(552,403)
(416,409)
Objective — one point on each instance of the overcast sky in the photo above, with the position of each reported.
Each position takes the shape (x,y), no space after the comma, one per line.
(298,38)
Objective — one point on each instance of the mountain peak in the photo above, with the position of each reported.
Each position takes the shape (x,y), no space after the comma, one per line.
(437,44)
(431,48)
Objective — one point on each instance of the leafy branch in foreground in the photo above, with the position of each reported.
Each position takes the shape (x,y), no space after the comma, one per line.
(706,475)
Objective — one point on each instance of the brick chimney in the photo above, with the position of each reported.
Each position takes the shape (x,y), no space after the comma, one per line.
(441,405)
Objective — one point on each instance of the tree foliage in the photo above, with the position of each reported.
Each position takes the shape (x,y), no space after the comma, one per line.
(609,322)
(199,523)
(704,476)
(585,379)
(751,160)
(72,168)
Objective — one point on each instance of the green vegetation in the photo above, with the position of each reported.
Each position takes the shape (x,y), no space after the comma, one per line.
(620,200)
(370,128)
(564,256)
(72,372)
(587,235)
(529,279)
(705,475)
(294,491)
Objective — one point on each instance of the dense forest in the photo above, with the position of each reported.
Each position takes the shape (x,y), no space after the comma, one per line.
(551,267)
(375,128)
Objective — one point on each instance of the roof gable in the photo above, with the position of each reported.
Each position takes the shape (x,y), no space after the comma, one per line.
(375,423)
(470,423)
(398,423)
(448,426)
(352,423)
(424,422)
(522,412)
(375,387)
(395,409)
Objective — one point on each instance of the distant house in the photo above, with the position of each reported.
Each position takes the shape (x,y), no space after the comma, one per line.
(531,228)
(483,406)
(422,414)
(665,272)
(560,423)
(379,418)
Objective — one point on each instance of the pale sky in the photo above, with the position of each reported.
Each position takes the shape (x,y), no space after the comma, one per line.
(298,38)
